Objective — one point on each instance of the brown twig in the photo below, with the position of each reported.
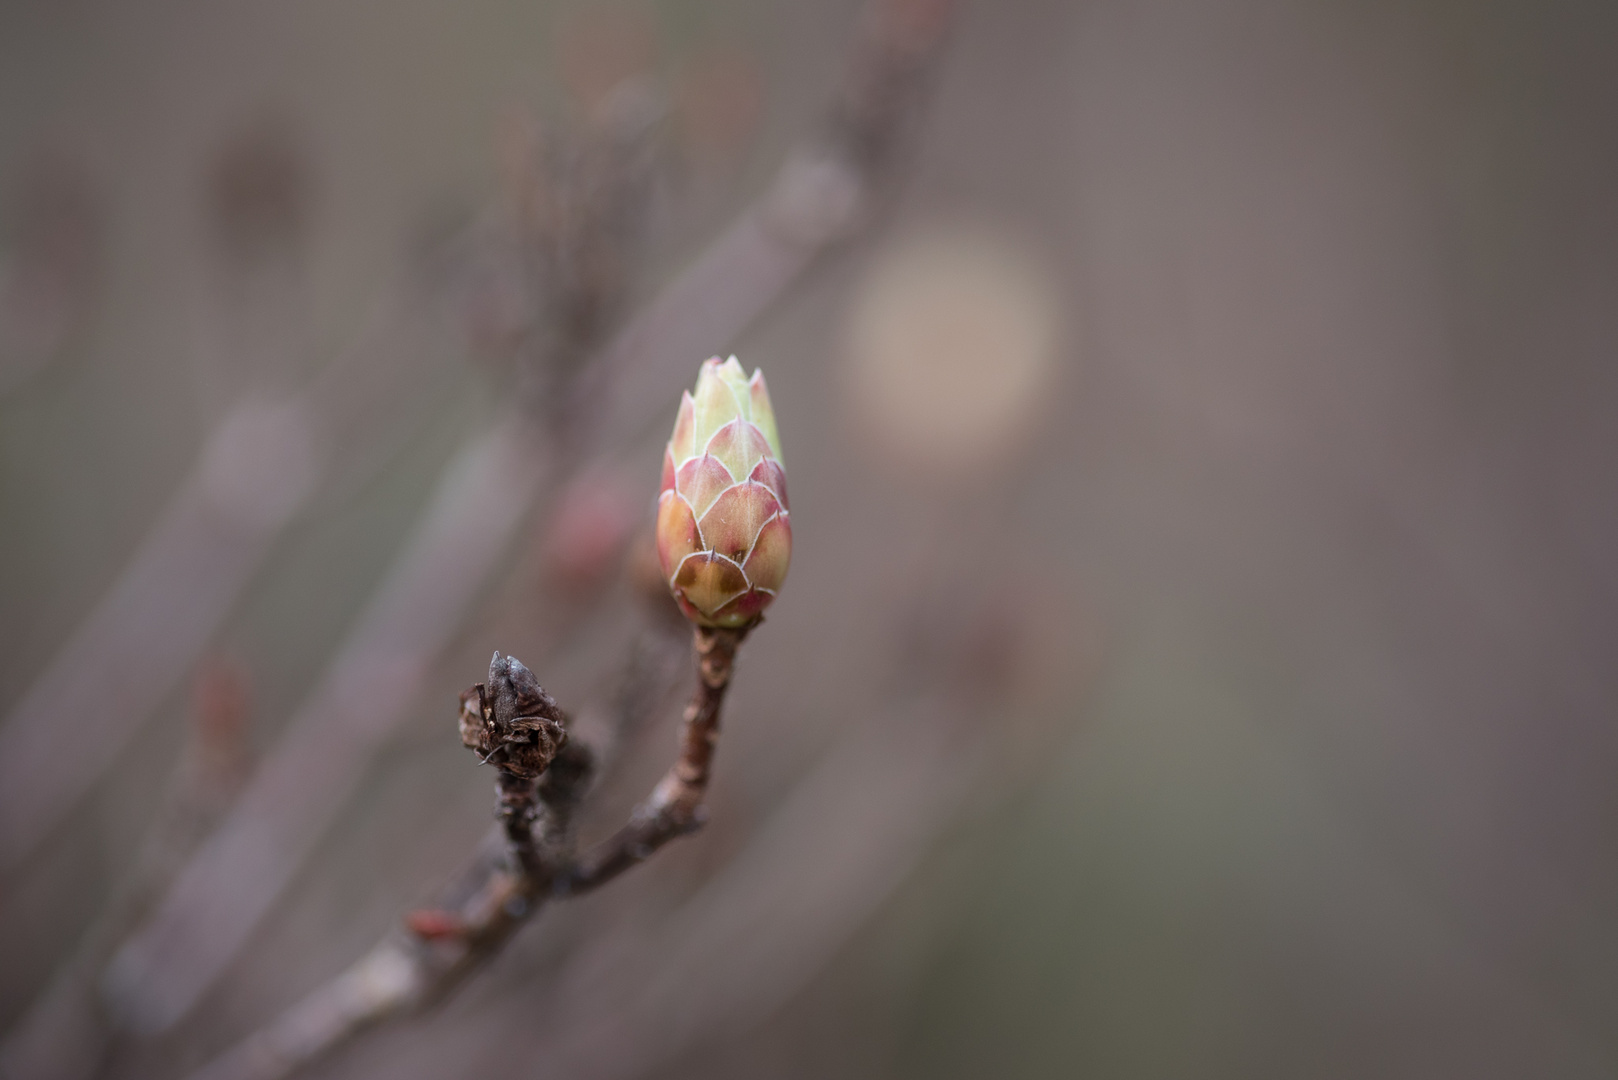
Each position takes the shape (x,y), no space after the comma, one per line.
(836,846)
(63,1033)
(512,723)
(675,806)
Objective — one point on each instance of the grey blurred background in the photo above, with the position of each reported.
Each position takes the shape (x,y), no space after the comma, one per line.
(1198,659)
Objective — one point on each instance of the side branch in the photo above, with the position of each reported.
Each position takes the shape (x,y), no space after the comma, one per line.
(675,805)
(512,723)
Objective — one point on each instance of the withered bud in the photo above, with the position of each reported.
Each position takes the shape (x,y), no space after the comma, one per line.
(511,721)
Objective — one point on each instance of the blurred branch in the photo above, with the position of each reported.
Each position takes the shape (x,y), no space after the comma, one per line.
(64,1034)
(263,463)
(240,871)
(480,502)
(821,192)
(828,185)
(254,476)
(512,723)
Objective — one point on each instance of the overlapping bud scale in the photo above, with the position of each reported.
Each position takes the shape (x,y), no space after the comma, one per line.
(724,537)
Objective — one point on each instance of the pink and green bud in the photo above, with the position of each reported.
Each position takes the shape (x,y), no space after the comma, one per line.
(723,534)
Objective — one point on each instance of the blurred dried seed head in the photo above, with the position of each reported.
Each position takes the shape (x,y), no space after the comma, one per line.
(259,191)
(49,252)
(548,282)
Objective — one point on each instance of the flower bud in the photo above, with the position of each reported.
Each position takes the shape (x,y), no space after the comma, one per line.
(723,537)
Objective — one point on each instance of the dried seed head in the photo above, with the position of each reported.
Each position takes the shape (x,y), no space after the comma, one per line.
(511,721)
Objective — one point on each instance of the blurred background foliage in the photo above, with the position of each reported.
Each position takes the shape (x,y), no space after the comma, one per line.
(1218,426)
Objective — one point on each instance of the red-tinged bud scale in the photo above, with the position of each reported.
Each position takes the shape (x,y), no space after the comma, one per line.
(724,538)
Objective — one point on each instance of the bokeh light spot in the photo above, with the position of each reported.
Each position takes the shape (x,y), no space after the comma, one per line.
(952,340)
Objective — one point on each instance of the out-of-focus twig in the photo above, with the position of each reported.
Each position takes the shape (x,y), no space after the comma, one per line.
(63,1033)
(239,872)
(828,185)
(255,474)
(578,201)
(479,504)
(512,723)
(819,195)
